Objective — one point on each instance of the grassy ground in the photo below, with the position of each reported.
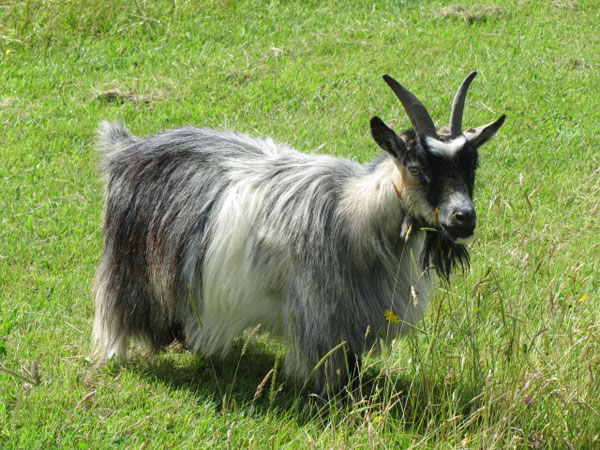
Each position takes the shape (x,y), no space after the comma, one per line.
(509,354)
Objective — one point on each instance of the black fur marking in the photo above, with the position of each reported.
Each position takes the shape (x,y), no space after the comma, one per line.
(149,219)
(443,254)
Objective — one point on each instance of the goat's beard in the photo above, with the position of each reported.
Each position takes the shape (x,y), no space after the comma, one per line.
(442,254)
(439,252)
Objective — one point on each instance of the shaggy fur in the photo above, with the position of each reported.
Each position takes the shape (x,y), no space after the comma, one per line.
(208,233)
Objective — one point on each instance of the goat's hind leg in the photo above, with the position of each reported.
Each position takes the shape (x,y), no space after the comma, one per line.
(110,336)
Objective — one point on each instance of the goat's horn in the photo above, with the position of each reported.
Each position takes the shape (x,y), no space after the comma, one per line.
(418,115)
(458,106)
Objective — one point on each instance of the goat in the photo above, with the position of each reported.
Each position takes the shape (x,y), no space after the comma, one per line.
(208,233)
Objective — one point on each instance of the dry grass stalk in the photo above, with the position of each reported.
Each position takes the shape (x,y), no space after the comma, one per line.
(33,381)
(85,399)
(262,384)
(250,337)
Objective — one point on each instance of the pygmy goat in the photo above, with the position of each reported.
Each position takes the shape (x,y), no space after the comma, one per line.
(208,233)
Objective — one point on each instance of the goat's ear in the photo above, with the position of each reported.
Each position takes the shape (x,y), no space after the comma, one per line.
(387,138)
(478,136)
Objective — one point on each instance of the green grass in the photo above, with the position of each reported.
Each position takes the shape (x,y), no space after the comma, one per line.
(508,355)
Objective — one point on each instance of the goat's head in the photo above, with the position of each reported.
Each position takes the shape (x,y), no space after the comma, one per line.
(436,166)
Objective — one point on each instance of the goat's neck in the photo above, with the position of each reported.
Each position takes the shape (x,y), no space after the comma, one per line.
(371,202)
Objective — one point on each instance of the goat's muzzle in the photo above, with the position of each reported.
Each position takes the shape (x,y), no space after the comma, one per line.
(458,220)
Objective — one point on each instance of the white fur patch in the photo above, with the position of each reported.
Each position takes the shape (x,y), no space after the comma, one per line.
(370,201)
(445,149)
(238,292)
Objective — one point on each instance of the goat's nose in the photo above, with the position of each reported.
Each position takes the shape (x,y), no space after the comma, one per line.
(464,218)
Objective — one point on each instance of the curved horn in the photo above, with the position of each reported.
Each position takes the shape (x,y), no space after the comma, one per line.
(418,115)
(458,105)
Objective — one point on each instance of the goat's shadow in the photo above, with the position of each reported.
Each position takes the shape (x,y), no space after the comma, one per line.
(249,376)
(242,379)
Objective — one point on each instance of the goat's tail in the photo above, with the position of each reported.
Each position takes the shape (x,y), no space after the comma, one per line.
(114,137)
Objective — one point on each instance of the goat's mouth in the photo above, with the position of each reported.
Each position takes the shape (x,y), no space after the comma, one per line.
(458,235)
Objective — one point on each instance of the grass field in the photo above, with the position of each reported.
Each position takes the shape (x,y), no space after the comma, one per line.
(508,355)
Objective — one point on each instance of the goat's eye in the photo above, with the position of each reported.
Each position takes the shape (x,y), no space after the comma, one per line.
(414,171)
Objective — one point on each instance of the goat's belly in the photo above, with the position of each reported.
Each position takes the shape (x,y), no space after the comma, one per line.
(220,326)
(234,298)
